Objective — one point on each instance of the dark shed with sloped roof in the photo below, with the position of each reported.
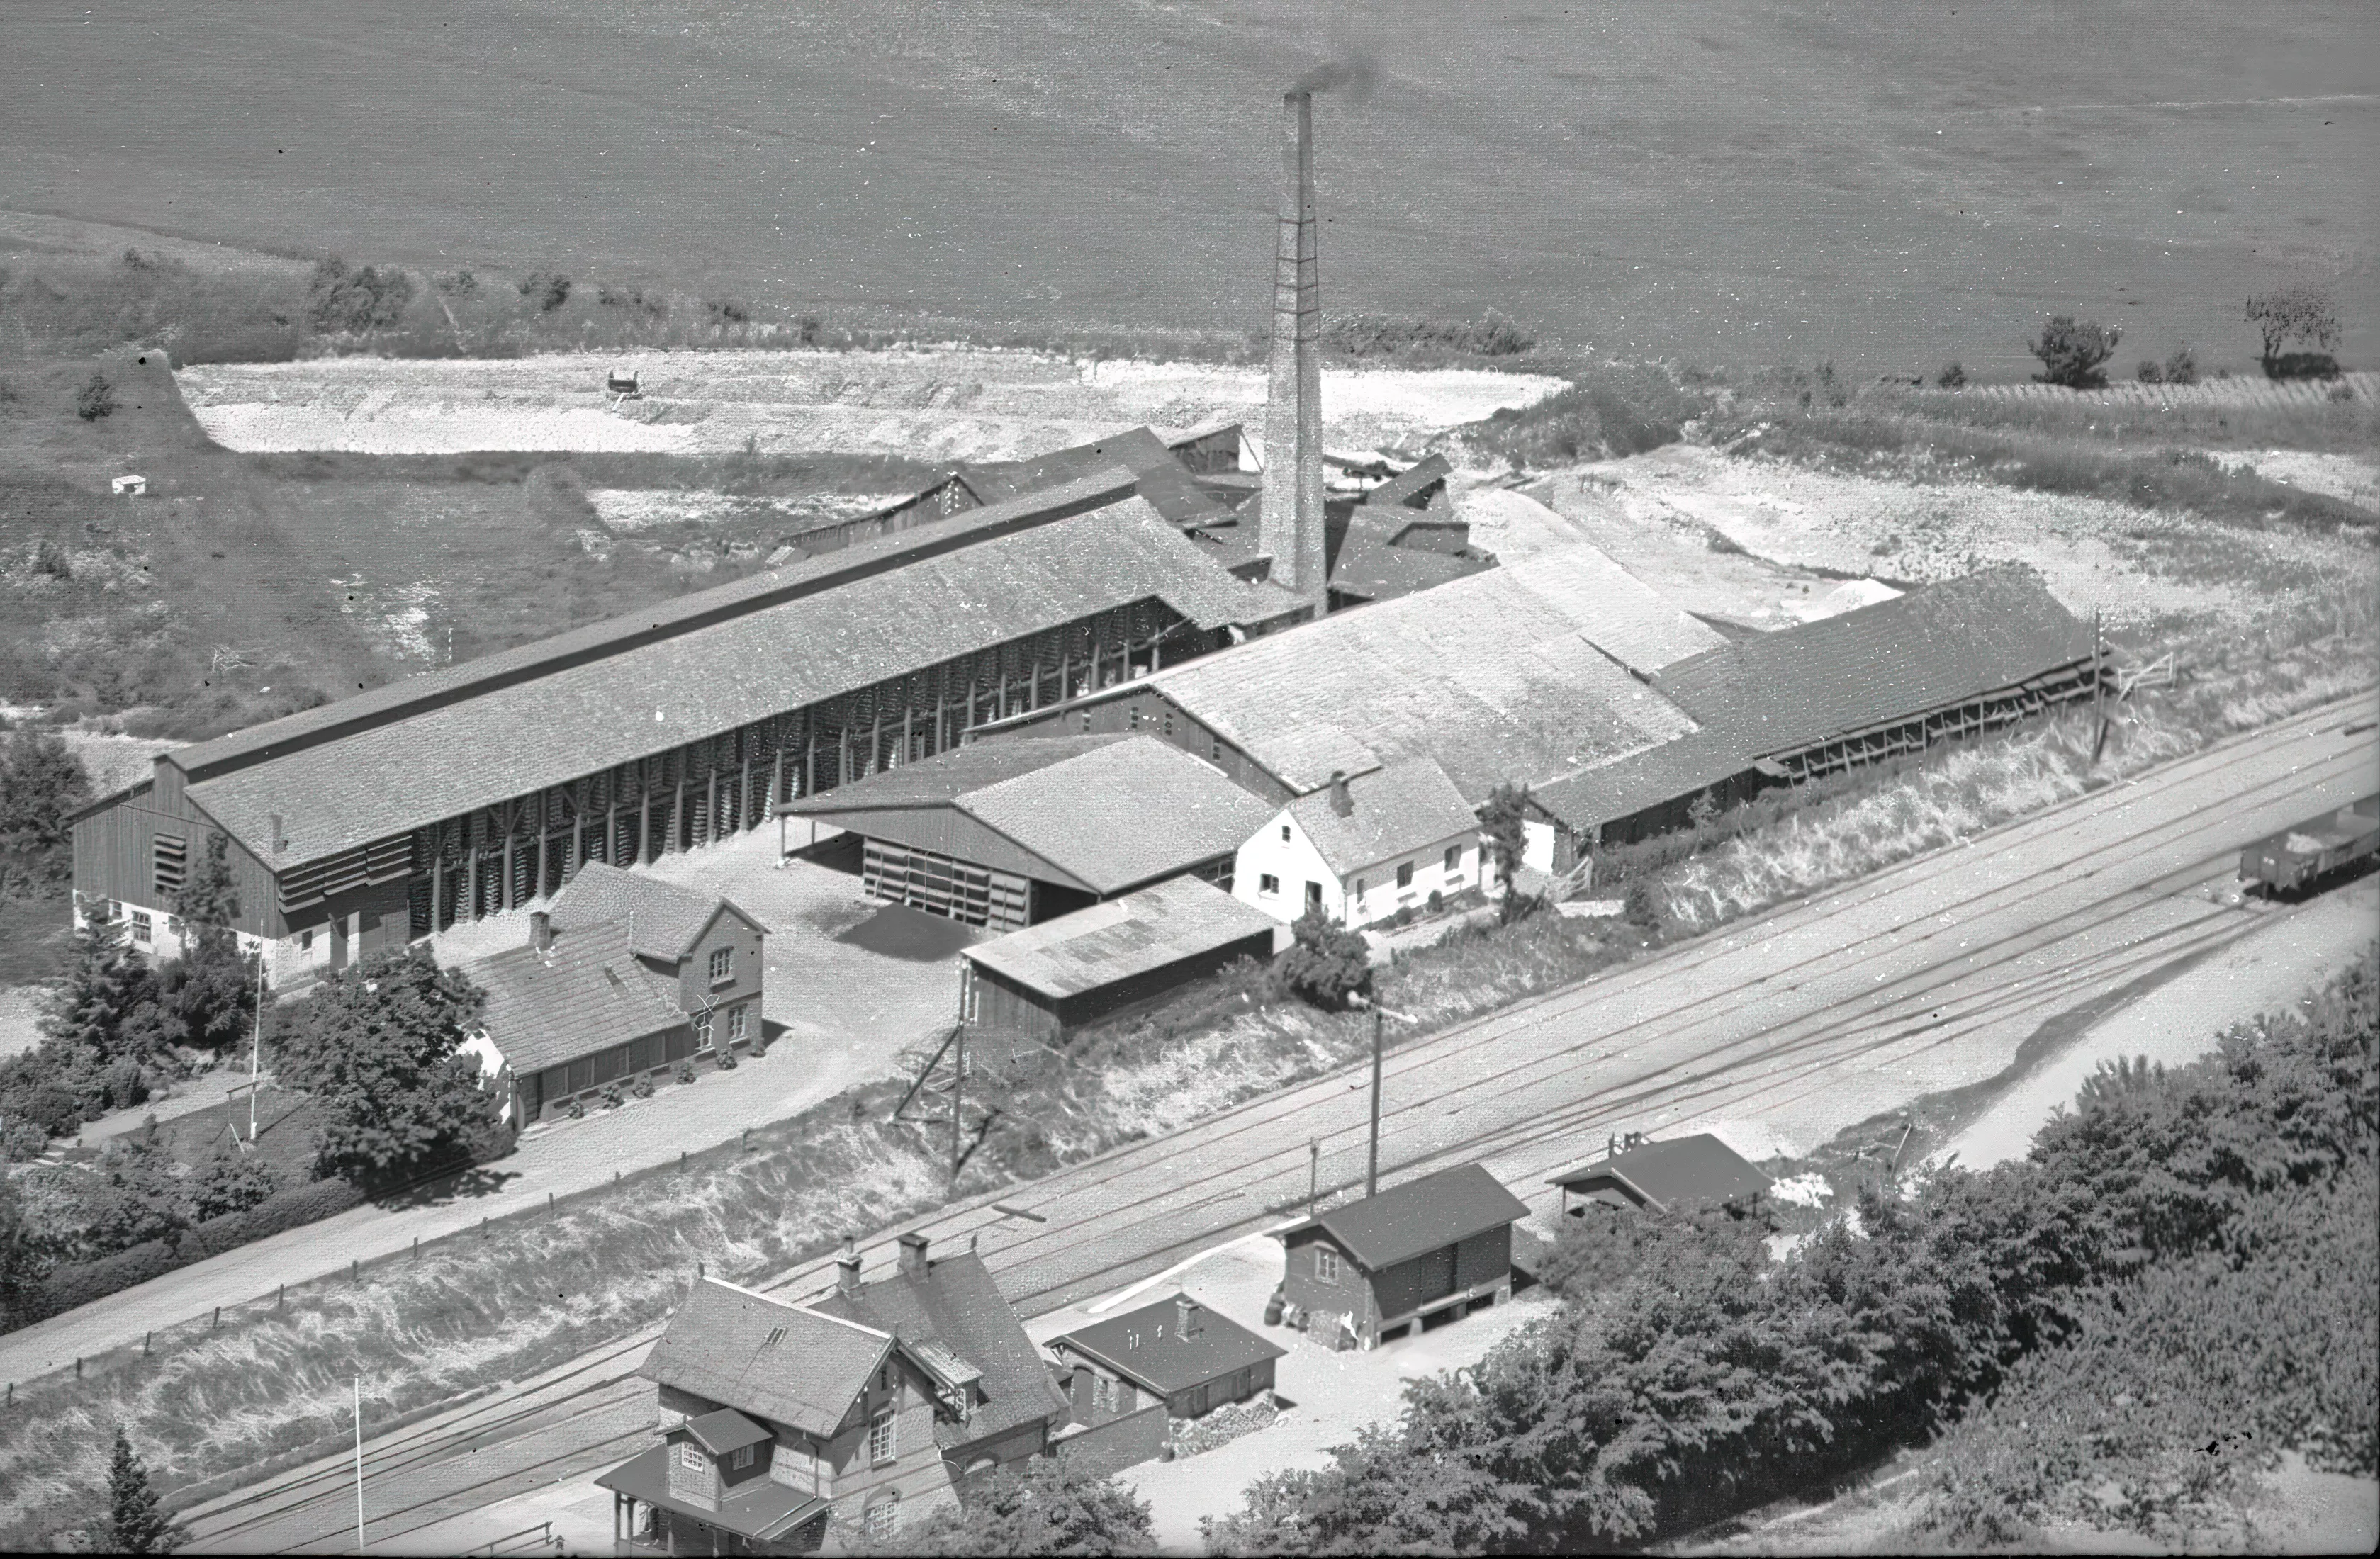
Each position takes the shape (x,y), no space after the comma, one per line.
(1440,1244)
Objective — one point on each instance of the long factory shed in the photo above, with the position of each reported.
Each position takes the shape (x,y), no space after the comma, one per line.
(360,825)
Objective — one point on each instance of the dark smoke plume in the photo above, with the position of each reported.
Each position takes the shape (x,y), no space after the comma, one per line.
(1353,75)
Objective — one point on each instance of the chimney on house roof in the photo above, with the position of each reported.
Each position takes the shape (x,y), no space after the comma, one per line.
(1343,801)
(279,840)
(913,1256)
(1185,1316)
(541,930)
(847,1271)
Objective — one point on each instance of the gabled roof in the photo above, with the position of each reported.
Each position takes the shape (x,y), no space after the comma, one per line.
(1498,676)
(1102,813)
(1686,1170)
(1588,798)
(1147,1347)
(1159,925)
(1159,473)
(1411,487)
(663,919)
(1941,645)
(983,578)
(584,994)
(759,1508)
(724,1431)
(766,1357)
(1395,811)
(959,1310)
(1420,1215)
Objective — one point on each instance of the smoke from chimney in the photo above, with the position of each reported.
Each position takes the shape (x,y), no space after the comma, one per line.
(1353,75)
(1292,519)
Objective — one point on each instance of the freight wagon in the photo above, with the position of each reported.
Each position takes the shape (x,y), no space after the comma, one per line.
(2316,849)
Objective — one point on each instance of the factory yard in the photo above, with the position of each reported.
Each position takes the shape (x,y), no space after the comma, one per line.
(938,405)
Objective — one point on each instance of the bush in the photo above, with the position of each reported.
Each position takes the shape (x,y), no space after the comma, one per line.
(726,1059)
(727,311)
(685,1072)
(643,1088)
(1327,963)
(575,1109)
(612,1097)
(229,1182)
(548,289)
(1642,906)
(1377,335)
(345,301)
(1952,376)
(95,399)
(2073,352)
(2182,366)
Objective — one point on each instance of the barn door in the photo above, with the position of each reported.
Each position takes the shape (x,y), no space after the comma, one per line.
(1437,1274)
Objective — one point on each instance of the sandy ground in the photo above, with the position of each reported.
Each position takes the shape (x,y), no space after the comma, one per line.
(2296,950)
(1672,515)
(936,404)
(2351,478)
(21,1018)
(1331,1395)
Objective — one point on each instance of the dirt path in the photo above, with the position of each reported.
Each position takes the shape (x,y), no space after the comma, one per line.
(2294,952)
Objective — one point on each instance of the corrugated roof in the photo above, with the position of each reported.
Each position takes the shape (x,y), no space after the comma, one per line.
(959,1308)
(1159,925)
(1944,645)
(585,994)
(1697,1168)
(1393,811)
(1496,676)
(732,1345)
(1105,812)
(1146,1346)
(662,919)
(1404,1221)
(519,738)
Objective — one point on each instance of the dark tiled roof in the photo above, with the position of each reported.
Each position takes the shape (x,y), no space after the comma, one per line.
(663,918)
(959,1307)
(1384,572)
(585,994)
(1590,797)
(1395,811)
(1092,947)
(1411,487)
(1163,1361)
(767,1357)
(759,1508)
(1404,1221)
(517,738)
(723,1431)
(1158,475)
(1698,1168)
(1106,813)
(1941,645)
(1497,676)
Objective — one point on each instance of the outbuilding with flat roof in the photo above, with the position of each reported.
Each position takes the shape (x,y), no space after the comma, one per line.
(1048,980)
(1682,1172)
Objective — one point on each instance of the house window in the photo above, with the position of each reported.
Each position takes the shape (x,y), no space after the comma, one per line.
(1284,833)
(1326,1265)
(690,1457)
(1215,751)
(305,941)
(1313,895)
(722,965)
(1268,884)
(1359,889)
(1169,722)
(1087,719)
(1102,1393)
(1135,716)
(739,1023)
(1404,875)
(742,1459)
(1453,857)
(883,1439)
(140,930)
(702,1033)
(880,1517)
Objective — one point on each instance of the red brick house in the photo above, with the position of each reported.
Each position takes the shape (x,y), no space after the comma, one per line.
(625,977)
(1373,1268)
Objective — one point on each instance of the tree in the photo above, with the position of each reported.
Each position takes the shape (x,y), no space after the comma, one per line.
(1505,820)
(137,1199)
(87,1012)
(2301,313)
(379,1044)
(213,983)
(1327,963)
(135,1524)
(229,1180)
(2075,352)
(42,784)
(1052,1506)
(341,300)
(95,399)
(1952,376)
(20,1259)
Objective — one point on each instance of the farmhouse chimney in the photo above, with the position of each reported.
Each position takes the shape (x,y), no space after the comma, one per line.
(913,1256)
(1343,801)
(278,841)
(541,930)
(1291,523)
(1185,1316)
(847,1271)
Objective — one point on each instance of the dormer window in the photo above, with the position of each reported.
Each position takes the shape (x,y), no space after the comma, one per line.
(741,1459)
(722,965)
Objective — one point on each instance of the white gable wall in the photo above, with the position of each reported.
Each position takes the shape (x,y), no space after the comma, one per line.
(1362,897)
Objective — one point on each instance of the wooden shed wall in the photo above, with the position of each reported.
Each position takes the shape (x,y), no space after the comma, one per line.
(115,855)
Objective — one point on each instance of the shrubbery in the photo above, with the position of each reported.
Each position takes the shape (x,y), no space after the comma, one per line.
(2074,352)
(341,300)
(1327,963)
(95,399)
(1379,335)
(2186,1255)
(2302,314)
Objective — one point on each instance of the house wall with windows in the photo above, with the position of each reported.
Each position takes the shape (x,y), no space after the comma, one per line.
(1282,871)
(723,973)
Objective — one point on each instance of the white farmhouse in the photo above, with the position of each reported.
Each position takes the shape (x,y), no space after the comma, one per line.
(1364,848)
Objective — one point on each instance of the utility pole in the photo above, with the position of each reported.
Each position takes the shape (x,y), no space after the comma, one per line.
(1313,1174)
(2098,687)
(958,1088)
(1372,1167)
(359,1464)
(256,1051)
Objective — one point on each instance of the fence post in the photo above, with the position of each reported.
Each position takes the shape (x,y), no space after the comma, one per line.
(681,1161)
(280,1295)
(146,1338)
(417,1247)
(356,1271)
(748,1139)
(548,1202)
(78,1366)
(217,1321)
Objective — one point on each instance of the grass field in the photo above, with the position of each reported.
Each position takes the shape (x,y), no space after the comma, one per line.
(1730,182)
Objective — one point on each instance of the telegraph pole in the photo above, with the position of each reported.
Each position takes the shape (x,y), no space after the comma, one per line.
(359,1464)
(1313,1174)
(1372,1167)
(256,1051)
(2098,686)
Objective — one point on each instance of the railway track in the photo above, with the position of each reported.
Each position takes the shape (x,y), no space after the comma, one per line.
(1927,974)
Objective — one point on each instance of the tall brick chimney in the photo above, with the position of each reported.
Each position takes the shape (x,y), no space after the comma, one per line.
(913,1256)
(1292,521)
(847,1271)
